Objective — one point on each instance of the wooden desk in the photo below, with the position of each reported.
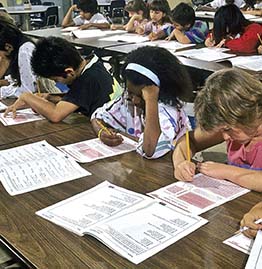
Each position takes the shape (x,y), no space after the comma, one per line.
(50,246)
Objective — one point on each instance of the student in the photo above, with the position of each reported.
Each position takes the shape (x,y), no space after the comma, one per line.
(138,15)
(253,8)
(185,28)
(89,82)
(249,219)
(159,11)
(227,109)
(150,110)
(233,31)
(15,55)
(89,17)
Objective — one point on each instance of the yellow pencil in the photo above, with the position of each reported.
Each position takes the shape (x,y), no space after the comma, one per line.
(188,146)
(259,38)
(103,127)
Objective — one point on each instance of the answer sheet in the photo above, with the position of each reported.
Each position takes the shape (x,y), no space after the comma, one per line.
(133,225)
(95,149)
(22,116)
(200,195)
(255,258)
(35,166)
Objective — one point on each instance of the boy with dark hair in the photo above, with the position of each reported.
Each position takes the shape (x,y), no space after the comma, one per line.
(89,82)
(88,17)
(185,28)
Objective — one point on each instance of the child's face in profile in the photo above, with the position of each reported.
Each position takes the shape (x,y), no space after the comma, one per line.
(135,94)
(156,15)
(85,15)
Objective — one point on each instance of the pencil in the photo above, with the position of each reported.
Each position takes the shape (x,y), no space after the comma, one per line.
(259,38)
(103,127)
(188,146)
(242,229)
(38,86)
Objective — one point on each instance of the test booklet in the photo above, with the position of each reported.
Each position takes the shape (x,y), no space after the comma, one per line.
(35,166)
(22,116)
(200,195)
(133,225)
(255,258)
(95,149)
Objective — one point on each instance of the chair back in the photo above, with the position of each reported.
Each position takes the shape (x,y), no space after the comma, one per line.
(117,8)
(48,3)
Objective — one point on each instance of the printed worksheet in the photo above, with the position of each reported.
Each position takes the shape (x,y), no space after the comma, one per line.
(35,166)
(22,116)
(133,225)
(95,149)
(248,62)
(255,258)
(130,38)
(200,195)
(169,45)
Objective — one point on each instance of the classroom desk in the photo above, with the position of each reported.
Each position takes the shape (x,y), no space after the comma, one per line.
(50,246)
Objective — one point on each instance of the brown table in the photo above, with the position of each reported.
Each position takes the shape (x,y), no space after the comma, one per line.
(50,246)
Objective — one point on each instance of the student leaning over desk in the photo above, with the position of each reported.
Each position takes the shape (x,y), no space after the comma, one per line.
(233,31)
(89,82)
(89,16)
(228,108)
(150,109)
(15,53)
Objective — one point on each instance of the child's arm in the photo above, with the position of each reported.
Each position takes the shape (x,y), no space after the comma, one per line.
(259,49)
(53,112)
(152,129)
(179,36)
(159,35)
(129,27)
(67,20)
(104,25)
(199,140)
(249,219)
(210,42)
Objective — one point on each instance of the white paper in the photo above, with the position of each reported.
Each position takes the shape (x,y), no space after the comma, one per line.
(205,14)
(130,38)
(2,106)
(169,45)
(88,33)
(94,149)
(206,54)
(248,62)
(133,225)
(255,258)
(34,166)
(240,242)
(69,29)
(200,195)
(22,116)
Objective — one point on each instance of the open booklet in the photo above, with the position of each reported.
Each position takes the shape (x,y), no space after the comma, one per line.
(253,63)
(35,166)
(200,195)
(133,225)
(95,149)
(22,116)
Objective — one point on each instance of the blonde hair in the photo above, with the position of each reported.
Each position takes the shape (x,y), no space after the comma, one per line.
(4,16)
(230,97)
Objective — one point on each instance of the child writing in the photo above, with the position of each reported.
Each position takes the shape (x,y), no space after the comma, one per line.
(159,11)
(89,17)
(15,55)
(227,109)
(249,219)
(89,82)
(150,110)
(138,14)
(233,31)
(185,28)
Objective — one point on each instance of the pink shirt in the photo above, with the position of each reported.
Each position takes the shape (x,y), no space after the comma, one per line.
(238,155)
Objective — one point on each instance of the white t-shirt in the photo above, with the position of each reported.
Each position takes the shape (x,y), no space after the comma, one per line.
(96,18)
(27,77)
(220,3)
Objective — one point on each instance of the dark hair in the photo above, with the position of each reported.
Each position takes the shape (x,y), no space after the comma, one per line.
(175,82)
(228,20)
(183,14)
(137,5)
(89,6)
(10,34)
(53,55)
(161,5)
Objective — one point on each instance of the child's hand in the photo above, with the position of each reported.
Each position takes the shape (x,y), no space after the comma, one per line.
(13,108)
(209,42)
(185,171)
(85,26)
(140,30)
(74,8)
(221,43)
(213,169)
(259,49)
(249,221)
(113,139)
(150,93)
(152,36)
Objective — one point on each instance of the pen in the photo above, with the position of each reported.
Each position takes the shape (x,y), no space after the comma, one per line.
(103,127)
(259,38)
(244,228)
(188,146)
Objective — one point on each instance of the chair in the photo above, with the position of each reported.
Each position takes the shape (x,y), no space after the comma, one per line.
(48,19)
(117,10)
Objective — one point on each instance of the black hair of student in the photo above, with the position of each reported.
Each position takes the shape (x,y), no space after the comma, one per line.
(161,5)
(88,6)
(228,20)
(53,55)
(10,34)
(183,14)
(175,82)
(137,5)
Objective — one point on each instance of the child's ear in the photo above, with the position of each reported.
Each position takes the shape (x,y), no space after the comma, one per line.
(69,71)
(9,48)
